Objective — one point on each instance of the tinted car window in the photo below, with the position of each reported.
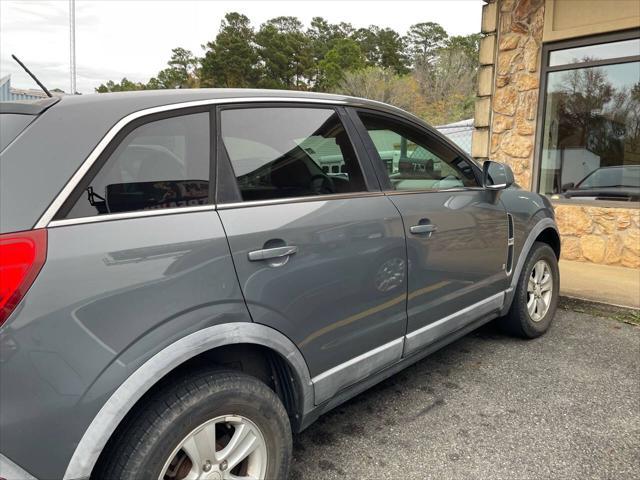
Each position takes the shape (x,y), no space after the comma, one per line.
(413,160)
(289,152)
(162,164)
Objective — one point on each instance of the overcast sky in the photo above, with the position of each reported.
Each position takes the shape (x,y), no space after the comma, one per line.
(118,38)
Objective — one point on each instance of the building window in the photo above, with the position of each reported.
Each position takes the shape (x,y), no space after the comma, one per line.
(591,134)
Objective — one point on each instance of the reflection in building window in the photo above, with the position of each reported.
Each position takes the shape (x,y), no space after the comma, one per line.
(591,135)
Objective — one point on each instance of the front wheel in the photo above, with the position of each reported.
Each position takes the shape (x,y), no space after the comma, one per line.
(536,296)
(210,425)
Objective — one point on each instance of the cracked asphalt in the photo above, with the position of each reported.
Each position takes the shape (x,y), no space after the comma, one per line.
(488,406)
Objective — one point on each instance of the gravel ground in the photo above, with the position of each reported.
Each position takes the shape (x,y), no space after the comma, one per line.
(488,406)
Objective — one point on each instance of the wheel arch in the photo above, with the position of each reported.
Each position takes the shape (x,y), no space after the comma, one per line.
(168,360)
(544,230)
(551,237)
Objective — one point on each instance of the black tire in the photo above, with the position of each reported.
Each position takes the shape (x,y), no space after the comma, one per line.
(518,321)
(141,448)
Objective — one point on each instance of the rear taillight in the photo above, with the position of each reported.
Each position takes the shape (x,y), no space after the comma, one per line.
(22,255)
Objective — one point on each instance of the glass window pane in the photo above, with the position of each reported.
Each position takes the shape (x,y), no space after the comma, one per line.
(162,164)
(415,162)
(290,152)
(591,144)
(589,53)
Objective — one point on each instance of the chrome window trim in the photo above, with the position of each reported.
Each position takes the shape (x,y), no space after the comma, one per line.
(127,215)
(11,471)
(434,190)
(54,206)
(286,200)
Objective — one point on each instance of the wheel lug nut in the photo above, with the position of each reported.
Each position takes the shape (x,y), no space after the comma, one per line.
(207,466)
(223,465)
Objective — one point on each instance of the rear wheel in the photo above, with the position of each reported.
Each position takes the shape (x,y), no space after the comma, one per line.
(212,425)
(536,296)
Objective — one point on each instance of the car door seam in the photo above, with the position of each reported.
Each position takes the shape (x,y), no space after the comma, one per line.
(235,269)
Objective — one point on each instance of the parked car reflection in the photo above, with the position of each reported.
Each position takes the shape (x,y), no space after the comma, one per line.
(607,183)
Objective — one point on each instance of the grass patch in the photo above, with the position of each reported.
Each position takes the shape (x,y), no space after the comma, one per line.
(630,316)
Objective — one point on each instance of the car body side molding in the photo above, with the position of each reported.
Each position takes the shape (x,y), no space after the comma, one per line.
(132,389)
(423,337)
(331,381)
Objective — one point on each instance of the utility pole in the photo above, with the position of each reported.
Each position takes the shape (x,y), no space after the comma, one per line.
(72,45)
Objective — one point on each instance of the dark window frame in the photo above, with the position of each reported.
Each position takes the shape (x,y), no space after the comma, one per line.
(545,69)
(227,190)
(103,158)
(433,136)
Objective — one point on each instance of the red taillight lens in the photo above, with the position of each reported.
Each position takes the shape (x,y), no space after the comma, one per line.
(22,255)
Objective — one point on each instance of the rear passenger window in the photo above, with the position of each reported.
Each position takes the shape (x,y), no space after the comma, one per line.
(289,152)
(162,164)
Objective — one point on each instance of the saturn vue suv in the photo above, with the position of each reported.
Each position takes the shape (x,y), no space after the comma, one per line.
(189,277)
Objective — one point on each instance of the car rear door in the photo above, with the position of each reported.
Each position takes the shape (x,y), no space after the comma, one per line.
(457,232)
(319,250)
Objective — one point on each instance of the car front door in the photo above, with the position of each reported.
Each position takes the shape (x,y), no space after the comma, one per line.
(457,232)
(320,253)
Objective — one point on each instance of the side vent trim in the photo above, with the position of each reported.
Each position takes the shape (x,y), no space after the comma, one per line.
(510,244)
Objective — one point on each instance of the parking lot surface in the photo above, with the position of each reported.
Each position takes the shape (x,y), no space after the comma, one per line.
(488,406)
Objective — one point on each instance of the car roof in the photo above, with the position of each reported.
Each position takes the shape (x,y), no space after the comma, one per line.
(154,98)
(119,104)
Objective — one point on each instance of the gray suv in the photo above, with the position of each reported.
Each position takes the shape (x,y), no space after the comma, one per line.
(188,277)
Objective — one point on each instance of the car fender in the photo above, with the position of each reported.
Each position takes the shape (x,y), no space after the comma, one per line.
(139,382)
(536,230)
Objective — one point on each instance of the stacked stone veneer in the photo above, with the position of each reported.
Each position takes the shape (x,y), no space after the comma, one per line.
(517,80)
(505,128)
(600,235)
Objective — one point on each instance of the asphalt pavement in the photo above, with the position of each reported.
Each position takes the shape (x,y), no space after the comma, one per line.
(563,406)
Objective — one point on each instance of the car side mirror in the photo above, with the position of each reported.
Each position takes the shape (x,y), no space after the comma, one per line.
(568,186)
(496,175)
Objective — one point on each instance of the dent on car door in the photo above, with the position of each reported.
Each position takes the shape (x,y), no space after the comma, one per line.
(456,232)
(329,270)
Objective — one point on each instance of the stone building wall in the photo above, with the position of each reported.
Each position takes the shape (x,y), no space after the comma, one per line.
(505,129)
(610,236)
(517,80)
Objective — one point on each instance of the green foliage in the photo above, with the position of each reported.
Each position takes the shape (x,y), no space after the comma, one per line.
(286,53)
(231,59)
(425,41)
(469,45)
(179,74)
(344,56)
(383,48)
(124,85)
(426,72)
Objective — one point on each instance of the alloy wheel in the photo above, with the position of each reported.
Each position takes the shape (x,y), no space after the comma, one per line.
(226,447)
(539,290)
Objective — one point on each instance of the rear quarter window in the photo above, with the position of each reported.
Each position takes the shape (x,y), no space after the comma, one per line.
(11,124)
(160,164)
